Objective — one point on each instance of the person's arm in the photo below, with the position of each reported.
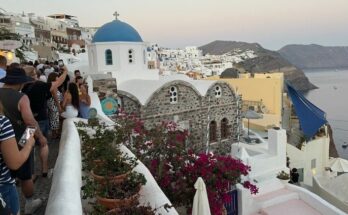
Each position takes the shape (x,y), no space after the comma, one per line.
(29,120)
(60,79)
(12,156)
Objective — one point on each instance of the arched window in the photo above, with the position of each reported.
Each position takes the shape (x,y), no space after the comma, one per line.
(108,57)
(130,56)
(224,128)
(212,132)
(218,91)
(173,92)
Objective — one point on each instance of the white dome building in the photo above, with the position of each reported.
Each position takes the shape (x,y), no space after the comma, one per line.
(118,49)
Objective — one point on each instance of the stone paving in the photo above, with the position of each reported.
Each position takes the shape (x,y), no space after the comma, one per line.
(42,185)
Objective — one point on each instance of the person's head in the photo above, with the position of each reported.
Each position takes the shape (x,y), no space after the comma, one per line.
(31,72)
(83,88)
(78,80)
(52,77)
(3,62)
(15,78)
(14,65)
(72,88)
(294,170)
(77,73)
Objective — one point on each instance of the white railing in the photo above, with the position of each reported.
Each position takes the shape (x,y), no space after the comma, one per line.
(315,201)
(328,196)
(65,191)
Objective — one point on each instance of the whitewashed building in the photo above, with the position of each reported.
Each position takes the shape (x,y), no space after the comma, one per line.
(118,49)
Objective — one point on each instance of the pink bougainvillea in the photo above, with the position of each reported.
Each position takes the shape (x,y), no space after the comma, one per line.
(176,167)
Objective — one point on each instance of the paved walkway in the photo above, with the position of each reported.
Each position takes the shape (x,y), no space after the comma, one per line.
(42,185)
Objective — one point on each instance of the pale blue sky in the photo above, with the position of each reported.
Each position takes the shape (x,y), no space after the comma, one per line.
(178,23)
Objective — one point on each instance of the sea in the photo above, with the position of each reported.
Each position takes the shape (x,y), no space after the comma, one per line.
(332,97)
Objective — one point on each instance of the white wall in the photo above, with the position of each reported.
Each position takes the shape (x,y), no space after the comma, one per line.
(268,162)
(323,193)
(121,69)
(317,149)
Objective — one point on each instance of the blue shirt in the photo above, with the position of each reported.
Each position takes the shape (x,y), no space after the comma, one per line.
(2,73)
(6,132)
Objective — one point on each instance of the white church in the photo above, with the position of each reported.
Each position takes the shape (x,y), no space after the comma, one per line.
(118,49)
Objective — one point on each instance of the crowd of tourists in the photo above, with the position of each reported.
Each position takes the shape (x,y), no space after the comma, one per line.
(39,96)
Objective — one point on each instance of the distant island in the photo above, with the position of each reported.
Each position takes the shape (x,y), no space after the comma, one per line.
(266,61)
(315,56)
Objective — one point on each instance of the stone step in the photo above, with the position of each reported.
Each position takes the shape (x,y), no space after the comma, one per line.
(291,207)
(275,197)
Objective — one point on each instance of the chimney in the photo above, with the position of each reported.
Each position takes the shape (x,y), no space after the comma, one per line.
(277,141)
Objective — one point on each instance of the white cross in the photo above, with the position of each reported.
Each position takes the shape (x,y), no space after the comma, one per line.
(116,15)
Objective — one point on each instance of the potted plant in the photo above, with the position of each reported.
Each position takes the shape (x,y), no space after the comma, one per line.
(112,167)
(125,194)
(136,210)
(283,176)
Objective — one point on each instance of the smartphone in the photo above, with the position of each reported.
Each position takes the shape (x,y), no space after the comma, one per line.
(26,135)
(60,63)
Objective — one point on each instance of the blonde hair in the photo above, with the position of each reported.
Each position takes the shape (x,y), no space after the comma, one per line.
(30,71)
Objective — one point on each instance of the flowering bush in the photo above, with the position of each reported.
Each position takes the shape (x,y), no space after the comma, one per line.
(176,167)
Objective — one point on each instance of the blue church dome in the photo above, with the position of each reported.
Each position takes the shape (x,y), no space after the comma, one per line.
(116,31)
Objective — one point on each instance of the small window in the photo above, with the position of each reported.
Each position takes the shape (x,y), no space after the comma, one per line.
(224,128)
(173,92)
(212,132)
(108,57)
(218,92)
(130,56)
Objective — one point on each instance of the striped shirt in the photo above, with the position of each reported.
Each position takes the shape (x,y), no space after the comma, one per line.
(6,132)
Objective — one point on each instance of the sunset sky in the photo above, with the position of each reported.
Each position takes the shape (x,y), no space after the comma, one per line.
(178,23)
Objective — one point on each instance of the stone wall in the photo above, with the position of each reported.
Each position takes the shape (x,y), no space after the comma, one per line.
(191,111)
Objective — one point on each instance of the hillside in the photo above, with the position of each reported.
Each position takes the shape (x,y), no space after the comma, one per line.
(266,61)
(316,56)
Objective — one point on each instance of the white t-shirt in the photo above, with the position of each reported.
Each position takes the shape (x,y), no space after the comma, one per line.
(48,71)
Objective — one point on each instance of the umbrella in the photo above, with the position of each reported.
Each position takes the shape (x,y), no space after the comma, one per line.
(338,165)
(200,201)
(250,114)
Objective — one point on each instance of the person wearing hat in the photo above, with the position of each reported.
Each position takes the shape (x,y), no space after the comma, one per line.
(16,107)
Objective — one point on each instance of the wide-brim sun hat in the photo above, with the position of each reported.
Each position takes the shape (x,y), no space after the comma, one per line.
(16,76)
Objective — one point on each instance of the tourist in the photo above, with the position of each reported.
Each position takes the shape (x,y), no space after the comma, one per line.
(85,101)
(78,80)
(41,76)
(39,93)
(294,176)
(48,69)
(77,73)
(11,158)
(71,102)
(54,107)
(17,109)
